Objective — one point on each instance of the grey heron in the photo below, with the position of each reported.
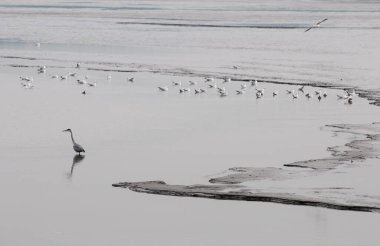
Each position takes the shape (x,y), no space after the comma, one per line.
(77,148)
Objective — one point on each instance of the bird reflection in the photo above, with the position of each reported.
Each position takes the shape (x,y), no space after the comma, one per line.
(76,160)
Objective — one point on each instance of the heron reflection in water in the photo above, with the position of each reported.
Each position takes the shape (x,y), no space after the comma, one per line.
(76,160)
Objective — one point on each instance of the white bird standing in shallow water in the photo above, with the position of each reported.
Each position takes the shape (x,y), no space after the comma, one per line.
(77,148)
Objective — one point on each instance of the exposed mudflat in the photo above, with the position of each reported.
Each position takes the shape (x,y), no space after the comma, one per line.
(365,145)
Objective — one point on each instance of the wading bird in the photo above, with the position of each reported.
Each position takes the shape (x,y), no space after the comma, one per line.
(77,148)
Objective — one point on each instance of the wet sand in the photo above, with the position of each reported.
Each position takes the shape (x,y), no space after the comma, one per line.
(335,197)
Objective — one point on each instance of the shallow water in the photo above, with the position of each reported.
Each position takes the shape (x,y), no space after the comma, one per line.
(132,132)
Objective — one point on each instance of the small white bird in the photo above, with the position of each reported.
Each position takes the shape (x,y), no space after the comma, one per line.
(197,91)
(27,79)
(318,93)
(86,77)
(261,91)
(295,96)
(254,83)
(131,79)
(301,88)
(342,97)
(275,93)
(243,86)
(182,90)
(81,81)
(64,77)
(223,94)
(92,84)
(221,89)
(109,77)
(308,95)
(318,24)
(163,88)
(259,94)
(27,85)
(41,69)
(351,92)
(38,45)
(212,86)
(209,79)
(203,90)
(226,79)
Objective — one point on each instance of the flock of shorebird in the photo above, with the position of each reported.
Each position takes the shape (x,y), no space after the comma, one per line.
(210,83)
(27,82)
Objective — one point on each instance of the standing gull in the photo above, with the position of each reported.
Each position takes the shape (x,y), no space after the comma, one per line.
(163,88)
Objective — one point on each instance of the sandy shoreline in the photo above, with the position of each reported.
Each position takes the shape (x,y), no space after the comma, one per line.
(355,151)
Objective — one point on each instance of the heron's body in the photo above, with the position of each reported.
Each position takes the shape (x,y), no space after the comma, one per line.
(77,147)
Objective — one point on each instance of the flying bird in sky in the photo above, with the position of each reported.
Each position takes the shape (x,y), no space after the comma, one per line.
(318,24)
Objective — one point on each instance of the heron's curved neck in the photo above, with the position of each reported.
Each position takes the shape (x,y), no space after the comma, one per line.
(72,137)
